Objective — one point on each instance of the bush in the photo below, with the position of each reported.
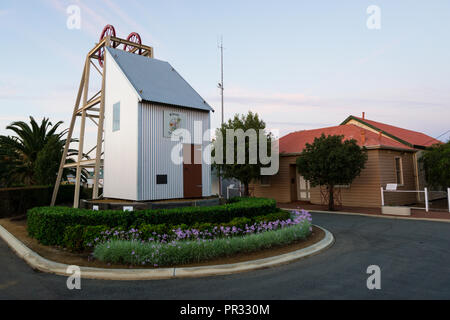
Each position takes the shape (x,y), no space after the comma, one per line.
(184,252)
(48,224)
(281,216)
(78,238)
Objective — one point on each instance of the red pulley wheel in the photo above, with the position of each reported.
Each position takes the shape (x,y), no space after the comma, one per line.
(107,31)
(135,38)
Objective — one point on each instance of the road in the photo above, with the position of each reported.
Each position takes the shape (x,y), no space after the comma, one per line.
(414,257)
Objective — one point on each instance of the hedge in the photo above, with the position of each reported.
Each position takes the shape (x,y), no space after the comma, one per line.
(47,224)
(16,201)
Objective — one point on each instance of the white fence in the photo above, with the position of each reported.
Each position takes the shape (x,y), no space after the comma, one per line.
(231,188)
(393,188)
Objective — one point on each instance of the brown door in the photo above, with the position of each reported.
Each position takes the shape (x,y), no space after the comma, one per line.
(293,182)
(192,171)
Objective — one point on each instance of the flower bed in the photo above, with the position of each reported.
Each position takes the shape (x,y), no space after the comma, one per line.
(48,224)
(80,238)
(202,246)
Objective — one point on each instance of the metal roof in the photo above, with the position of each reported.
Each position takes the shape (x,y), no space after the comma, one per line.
(157,81)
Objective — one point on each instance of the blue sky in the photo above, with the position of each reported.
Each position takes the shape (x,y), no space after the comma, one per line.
(299,64)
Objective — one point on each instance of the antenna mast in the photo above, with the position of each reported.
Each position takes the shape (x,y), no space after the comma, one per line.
(221,74)
(221,93)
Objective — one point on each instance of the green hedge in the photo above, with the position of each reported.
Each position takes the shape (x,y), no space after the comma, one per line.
(16,201)
(47,224)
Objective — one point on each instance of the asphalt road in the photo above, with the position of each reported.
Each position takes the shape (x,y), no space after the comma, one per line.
(414,257)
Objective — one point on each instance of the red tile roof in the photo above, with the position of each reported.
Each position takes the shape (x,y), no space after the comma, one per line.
(413,138)
(295,142)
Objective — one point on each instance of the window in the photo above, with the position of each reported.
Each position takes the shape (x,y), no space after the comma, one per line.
(398,170)
(161,179)
(116,117)
(265,180)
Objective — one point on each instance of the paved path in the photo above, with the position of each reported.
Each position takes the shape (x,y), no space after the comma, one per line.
(414,257)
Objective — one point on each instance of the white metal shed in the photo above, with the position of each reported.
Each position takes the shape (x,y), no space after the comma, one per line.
(143,97)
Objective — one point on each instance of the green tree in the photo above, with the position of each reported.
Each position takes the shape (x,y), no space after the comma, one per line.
(436,163)
(330,161)
(243,172)
(33,147)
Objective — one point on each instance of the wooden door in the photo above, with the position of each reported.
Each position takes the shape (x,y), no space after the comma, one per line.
(192,171)
(293,182)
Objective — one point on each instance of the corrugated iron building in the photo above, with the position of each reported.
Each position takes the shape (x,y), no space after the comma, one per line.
(146,100)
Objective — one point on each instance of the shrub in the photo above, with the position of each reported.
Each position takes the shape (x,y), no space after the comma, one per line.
(281,215)
(78,238)
(16,201)
(48,224)
(184,252)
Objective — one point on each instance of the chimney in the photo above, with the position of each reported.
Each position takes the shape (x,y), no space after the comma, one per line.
(363,137)
(363,115)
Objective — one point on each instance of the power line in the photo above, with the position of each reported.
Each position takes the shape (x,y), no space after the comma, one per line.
(448,131)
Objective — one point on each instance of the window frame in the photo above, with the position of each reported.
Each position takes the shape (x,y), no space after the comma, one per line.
(116,117)
(399,171)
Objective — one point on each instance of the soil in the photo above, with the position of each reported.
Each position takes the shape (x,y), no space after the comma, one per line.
(57,254)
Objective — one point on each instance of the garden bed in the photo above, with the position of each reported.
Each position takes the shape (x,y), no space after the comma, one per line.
(244,228)
(53,253)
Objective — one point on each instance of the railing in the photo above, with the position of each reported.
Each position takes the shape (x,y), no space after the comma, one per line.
(232,187)
(424,191)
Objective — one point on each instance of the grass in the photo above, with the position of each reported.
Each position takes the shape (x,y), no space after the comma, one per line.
(187,252)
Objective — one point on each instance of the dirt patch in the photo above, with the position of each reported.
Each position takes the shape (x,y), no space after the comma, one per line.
(19,230)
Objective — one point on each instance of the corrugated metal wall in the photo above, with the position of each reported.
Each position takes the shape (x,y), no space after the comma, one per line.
(155,153)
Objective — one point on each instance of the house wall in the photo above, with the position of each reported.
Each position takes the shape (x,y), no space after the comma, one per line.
(120,147)
(365,189)
(155,153)
(280,184)
(363,192)
(387,175)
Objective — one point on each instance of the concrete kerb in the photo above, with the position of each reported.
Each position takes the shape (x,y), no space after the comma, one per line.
(37,262)
(375,215)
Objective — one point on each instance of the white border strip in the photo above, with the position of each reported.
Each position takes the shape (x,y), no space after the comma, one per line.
(37,262)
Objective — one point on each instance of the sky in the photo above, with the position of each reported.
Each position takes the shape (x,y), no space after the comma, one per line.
(298,64)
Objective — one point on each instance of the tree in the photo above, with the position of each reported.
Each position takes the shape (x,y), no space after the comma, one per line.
(248,171)
(436,163)
(33,145)
(330,161)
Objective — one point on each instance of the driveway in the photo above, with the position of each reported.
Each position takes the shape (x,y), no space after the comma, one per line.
(414,257)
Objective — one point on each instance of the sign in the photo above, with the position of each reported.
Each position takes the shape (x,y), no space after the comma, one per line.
(391,187)
(173,121)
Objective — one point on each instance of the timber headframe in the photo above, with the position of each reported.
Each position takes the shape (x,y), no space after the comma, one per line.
(93,108)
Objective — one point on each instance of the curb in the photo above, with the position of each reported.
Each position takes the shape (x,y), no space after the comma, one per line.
(374,215)
(39,263)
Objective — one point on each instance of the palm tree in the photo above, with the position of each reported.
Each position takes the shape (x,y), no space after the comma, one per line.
(20,153)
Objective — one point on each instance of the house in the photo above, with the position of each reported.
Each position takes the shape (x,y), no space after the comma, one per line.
(393,157)
(145,101)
